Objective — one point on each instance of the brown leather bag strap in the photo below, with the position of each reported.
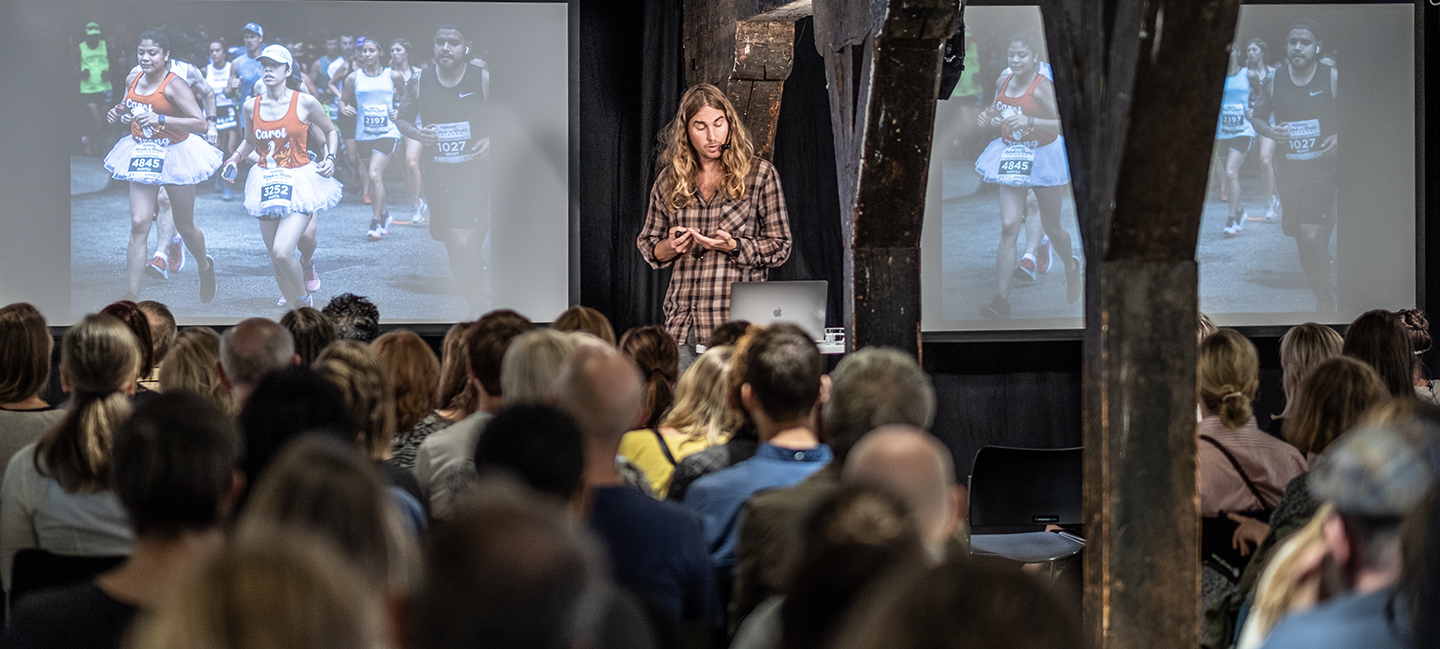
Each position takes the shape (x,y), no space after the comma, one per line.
(1236,463)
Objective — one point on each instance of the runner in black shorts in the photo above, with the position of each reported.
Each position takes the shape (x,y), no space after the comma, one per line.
(1301,96)
(452,98)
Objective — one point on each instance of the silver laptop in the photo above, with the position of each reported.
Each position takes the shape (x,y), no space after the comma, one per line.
(799,303)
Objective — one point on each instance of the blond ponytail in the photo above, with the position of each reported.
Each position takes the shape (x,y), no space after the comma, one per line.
(1228,370)
(100,359)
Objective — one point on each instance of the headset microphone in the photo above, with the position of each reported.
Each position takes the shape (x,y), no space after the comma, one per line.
(725,146)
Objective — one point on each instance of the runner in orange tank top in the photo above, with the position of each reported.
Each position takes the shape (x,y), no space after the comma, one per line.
(160,152)
(286,188)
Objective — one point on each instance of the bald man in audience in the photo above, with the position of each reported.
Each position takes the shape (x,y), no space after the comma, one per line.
(251,349)
(657,549)
(869,388)
(916,466)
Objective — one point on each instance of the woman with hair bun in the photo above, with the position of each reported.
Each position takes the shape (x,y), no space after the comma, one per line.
(1418,328)
(655,352)
(1235,454)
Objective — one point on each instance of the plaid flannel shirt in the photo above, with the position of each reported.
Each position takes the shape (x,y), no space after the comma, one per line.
(699,292)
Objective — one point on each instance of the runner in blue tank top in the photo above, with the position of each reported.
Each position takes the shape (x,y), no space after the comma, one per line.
(369,97)
(1235,135)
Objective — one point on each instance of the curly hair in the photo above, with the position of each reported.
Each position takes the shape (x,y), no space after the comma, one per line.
(311,330)
(356,369)
(354,317)
(679,163)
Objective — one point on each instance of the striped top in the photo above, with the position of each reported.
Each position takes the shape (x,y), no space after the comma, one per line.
(1271,464)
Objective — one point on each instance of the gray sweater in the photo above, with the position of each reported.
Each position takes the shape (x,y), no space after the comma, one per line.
(20,428)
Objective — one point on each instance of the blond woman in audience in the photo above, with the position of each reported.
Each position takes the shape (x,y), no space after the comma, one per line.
(700,418)
(25,348)
(1301,349)
(273,590)
(414,372)
(531,365)
(584,318)
(190,365)
(56,495)
(1291,581)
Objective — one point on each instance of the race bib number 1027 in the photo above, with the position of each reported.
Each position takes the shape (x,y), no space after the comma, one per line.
(1304,135)
(454,142)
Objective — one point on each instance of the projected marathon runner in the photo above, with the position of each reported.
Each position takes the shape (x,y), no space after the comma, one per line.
(400,61)
(1029,154)
(1301,97)
(452,97)
(159,151)
(1261,73)
(368,97)
(286,187)
(221,76)
(1234,135)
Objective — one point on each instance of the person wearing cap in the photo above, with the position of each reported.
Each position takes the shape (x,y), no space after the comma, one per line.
(247,65)
(288,187)
(1373,476)
(94,83)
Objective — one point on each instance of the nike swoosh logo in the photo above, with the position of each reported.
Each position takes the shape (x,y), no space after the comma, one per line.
(465,94)
(1312,94)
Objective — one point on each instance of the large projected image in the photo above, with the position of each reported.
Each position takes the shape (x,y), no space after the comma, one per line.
(1310,213)
(237,159)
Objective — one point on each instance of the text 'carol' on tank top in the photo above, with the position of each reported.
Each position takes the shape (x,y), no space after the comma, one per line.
(154,102)
(281,143)
(1308,111)
(458,115)
(1026,105)
(1233,107)
(374,97)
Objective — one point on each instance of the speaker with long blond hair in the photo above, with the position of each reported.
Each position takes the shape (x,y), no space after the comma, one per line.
(679,163)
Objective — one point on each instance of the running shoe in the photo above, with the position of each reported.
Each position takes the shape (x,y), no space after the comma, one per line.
(176,255)
(312,278)
(379,228)
(158,268)
(1074,281)
(1026,268)
(422,213)
(997,309)
(1272,211)
(227,194)
(207,280)
(1042,255)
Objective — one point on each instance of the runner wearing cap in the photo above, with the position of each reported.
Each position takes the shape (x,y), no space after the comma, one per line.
(247,65)
(288,187)
(159,151)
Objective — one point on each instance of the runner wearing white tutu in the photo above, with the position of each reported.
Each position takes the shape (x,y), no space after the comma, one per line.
(160,152)
(1028,155)
(287,187)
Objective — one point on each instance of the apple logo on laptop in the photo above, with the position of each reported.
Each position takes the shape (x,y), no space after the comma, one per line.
(777,313)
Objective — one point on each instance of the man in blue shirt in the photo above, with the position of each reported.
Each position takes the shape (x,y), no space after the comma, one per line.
(247,65)
(1374,476)
(784,384)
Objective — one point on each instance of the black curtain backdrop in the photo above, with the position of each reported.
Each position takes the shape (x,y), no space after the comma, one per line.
(631,80)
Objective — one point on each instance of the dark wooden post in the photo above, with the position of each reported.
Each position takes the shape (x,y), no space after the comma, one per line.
(744,47)
(1139,85)
(883,68)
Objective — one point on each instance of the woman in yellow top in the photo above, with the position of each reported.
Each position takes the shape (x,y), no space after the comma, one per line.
(700,418)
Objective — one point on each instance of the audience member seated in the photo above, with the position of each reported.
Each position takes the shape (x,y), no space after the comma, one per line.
(190,365)
(249,350)
(455,397)
(870,388)
(130,314)
(281,590)
(289,403)
(57,492)
(174,467)
(162,334)
(1418,328)
(414,372)
(784,386)
(1288,584)
(700,418)
(536,445)
(1378,338)
(508,571)
(728,333)
(1243,471)
(963,603)
(25,349)
(917,467)
(1374,476)
(354,317)
(311,331)
(531,365)
(1204,327)
(444,461)
(355,368)
(741,445)
(656,549)
(584,318)
(320,485)
(1301,349)
(654,350)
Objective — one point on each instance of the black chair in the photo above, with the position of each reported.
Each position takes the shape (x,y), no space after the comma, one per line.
(37,570)
(1015,493)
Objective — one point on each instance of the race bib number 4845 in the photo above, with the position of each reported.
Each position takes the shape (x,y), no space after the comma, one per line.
(1016,163)
(454,142)
(146,162)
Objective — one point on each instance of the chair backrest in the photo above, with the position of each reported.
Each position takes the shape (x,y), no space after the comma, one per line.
(37,570)
(1019,487)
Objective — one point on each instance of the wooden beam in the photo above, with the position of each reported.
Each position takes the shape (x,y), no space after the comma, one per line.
(883,68)
(746,48)
(1139,85)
